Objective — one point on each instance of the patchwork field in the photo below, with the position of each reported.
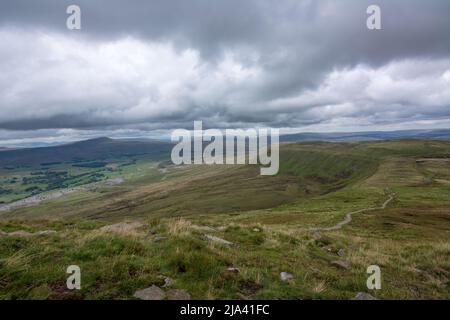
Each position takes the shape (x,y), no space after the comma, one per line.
(226,232)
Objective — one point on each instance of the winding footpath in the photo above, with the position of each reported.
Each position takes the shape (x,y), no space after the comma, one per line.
(348,217)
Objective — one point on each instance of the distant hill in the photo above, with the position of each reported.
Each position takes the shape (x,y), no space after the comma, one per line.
(442,134)
(106,148)
(95,149)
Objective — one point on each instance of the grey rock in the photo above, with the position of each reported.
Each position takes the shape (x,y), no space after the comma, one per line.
(210,238)
(341,253)
(121,227)
(159,238)
(341,264)
(45,232)
(168,282)
(321,240)
(286,276)
(203,228)
(364,296)
(233,270)
(178,294)
(150,293)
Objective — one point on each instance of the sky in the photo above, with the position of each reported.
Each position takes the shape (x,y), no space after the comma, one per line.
(143,68)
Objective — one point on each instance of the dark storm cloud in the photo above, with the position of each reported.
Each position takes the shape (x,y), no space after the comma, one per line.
(230,63)
(412,26)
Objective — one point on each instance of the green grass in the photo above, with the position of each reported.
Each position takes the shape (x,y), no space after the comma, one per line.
(115,265)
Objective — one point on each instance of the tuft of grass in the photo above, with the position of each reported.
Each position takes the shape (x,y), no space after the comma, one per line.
(179,227)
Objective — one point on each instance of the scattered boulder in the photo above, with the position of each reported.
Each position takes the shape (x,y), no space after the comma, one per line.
(168,282)
(364,296)
(178,294)
(233,270)
(341,264)
(203,228)
(256,230)
(122,227)
(159,238)
(321,240)
(45,232)
(341,253)
(150,293)
(210,238)
(286,276)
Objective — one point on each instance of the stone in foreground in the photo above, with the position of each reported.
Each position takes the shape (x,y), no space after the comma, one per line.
(210,238)
(364,296)
(150,293)
(45,232)
(321,240)
(121,227)
(233,270)
(168,282)
(159,238)
(286,276)
(178,294)
(341,264)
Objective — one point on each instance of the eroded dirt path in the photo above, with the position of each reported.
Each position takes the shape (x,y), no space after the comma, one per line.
(348,217)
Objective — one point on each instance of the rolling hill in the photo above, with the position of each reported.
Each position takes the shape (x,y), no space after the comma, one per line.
(89,150)
(443,134)
(194,223)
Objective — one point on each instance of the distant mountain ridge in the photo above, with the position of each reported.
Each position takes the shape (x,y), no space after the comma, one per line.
(95,149)
(104,148)
(443,134)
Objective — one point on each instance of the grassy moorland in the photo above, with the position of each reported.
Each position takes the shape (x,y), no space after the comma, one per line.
(262,217)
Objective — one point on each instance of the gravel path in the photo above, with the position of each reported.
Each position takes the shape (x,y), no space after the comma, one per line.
(348,217)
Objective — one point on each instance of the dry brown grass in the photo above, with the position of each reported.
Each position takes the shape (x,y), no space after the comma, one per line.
(179,227)
(320,287)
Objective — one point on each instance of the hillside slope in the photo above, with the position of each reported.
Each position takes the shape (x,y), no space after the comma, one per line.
(307,170)
(95,149)
(233,218)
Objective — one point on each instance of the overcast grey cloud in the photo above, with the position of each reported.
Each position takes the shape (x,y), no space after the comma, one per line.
(144,66)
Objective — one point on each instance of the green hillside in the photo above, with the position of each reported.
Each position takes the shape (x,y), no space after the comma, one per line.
(171,211)
(89,150)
